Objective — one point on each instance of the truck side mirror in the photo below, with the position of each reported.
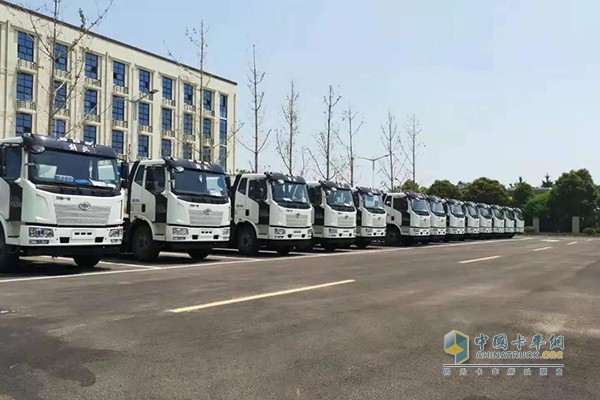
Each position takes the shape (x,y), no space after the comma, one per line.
(124,170)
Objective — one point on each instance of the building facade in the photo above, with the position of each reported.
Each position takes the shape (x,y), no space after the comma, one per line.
(93,88)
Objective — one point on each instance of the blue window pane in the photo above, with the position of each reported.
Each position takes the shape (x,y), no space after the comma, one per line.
(25,47)
(167,119)
(207,128)
(23,124)
(223,131)
(59,128)
(188,124)
(89,133)
(223,105)
(144,81)
(144,114)
(117,141)
(143,146)
(118,109)
(119,70)
(91,66)
(223,156)
(24,87)
(188,94)
(60,94)
(90,104)
(207,101)
(167,88)
(166,148)
(60,57)
(187,151)
(206,154)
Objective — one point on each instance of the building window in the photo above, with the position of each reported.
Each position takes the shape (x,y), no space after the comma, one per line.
(25,47)
(24,87)
(167,119)
(90,104)
(117,141)
(206,154)
(223,131)
(187,151)
(89,133)
(60,94)
(144,81)
(60,57)
(223,105)
(166,148)
(119,72)
(24,123)
(118,108)
(207,100)
(143,146)
(167,88)
(207,128)
(59,128)
(188,124)
(144,114)
(188,94)
(223,156)
(91,66)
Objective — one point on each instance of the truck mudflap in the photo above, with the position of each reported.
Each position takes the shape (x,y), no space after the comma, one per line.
(70,251)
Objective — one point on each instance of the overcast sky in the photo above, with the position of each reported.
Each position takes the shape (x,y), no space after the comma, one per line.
(501,88)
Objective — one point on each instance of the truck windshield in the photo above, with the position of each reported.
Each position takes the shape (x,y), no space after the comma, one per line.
(73,169)
(498,213)
(289,192)
(457,210)
(519,215)
(437,208)
(509,214)
(373,201)
(420,206)
(485,212)
(340,197)
(473,211)
(199,183)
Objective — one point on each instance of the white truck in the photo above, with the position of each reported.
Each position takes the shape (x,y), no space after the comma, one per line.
(473,220)
(456,220)
(370,216)
(485,221)
(509,222)
(519,222)
(439,218)
(270,210)
(58,197)
(176,205)
(334,214)
(497,221)
(408,218)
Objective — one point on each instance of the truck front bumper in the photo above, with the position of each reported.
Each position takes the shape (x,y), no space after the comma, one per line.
(195,235)
(486,230)
(498,231)
(370,232)
(289,234)
(437,231)
(509,230)
(338,233)
(456,231)
(65,237)
(419,231)
(472,230)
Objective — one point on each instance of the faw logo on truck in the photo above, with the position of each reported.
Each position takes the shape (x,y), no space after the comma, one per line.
(207,211)
(85,206)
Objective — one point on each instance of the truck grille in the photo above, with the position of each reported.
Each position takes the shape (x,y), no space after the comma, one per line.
(71,214)
(296,221)
(202,218)
(344,222)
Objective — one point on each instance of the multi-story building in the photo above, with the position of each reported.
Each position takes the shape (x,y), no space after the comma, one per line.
(105,91)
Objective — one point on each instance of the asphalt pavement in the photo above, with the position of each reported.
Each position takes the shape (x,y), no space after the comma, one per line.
(357,324)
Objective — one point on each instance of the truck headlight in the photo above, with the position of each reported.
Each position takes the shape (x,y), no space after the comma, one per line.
(310,232)
(41,232)
(333,231)
(180,231)
(279,231)
(226,231)
(115,232)
(368,230)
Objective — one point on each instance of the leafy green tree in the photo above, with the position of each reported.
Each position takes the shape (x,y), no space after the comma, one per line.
(444,189)
(485,190)
(547,183)
(538,205)
(574,194)
(410,186)
(523,192)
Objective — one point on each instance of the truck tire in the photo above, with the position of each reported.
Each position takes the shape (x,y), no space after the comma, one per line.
(143,246)
(362,243)
(392,236)
(247,241)
(198,255)
(86,262)
(284,251)
(8,258)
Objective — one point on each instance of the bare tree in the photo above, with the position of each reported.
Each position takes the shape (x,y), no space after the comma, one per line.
(350,116)
(409,149)
(324,152)
(54,46)
(392,143)
(255,79)
(286,136)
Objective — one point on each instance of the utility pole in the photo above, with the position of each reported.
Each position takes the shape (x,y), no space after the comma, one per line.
(373,161)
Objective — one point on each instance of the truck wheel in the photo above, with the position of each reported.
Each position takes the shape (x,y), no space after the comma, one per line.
(86,262)
(143,245)
(247,242)
(198,255)
(392,237)
(8,258)
(362,243)
(283,251)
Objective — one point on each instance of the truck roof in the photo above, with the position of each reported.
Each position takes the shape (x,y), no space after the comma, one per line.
(454,201)
(431,197)
(410,195)
(330,184)
(187,164)
(274,176)
(62,144)
(366,190)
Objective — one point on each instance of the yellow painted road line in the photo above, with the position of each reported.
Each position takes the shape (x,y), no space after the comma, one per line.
(258,296)
(478,259)
(543,248)
(570,243)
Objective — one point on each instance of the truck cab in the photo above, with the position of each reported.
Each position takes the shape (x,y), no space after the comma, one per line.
(519,222)
(456,219)
(270,210)
(509,222)
(497,221)
(485,220)
(438,218)
(334,216)
(472,220)
(177,205)
(370,216)
(408,218)
(58,197)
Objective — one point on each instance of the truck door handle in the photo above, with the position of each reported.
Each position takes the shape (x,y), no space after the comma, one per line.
(247,213)
(143,208)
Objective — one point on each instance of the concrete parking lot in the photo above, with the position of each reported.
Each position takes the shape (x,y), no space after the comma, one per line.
(359,324)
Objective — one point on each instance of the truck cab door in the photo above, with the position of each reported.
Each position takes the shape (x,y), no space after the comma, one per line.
(240,211)
(154,201)
(257,207)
